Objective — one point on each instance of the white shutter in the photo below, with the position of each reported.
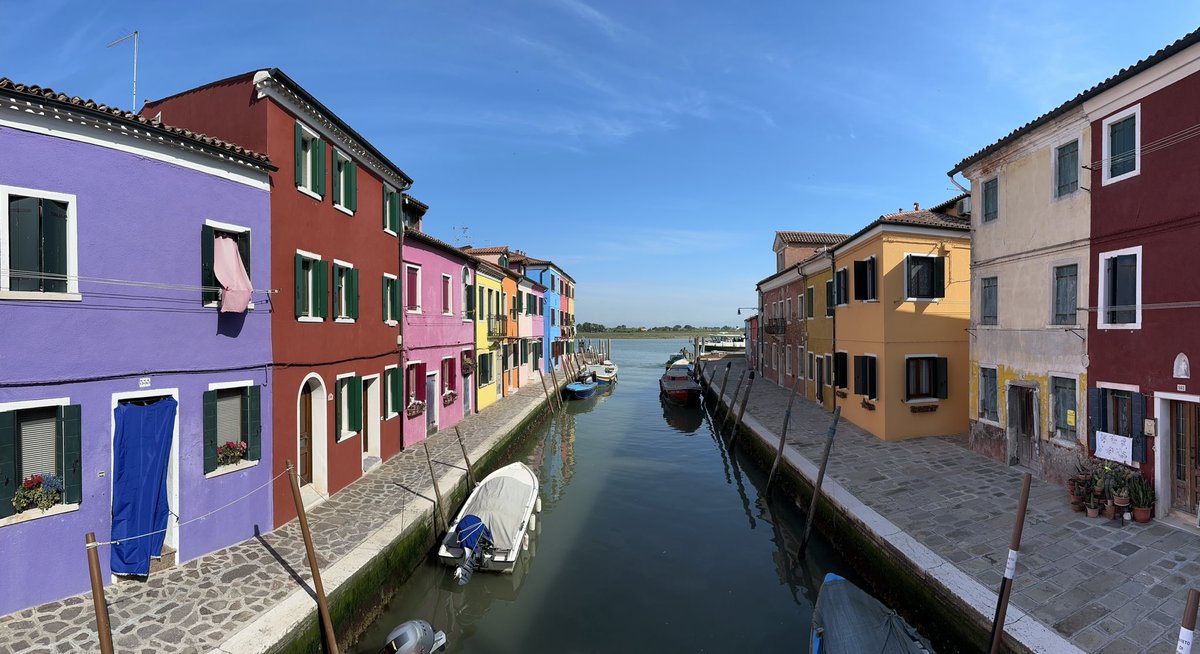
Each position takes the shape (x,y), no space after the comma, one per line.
(39,442)
(229,415)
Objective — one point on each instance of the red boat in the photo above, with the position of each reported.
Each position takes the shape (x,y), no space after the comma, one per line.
(677,384)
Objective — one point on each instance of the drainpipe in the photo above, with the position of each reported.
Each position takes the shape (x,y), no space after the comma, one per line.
(955,182)
(833,338)
(402,279)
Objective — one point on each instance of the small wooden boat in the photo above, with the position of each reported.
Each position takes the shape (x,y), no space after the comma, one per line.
(581,390)
(605,373)
(494,524)
(677,384)
(846,620)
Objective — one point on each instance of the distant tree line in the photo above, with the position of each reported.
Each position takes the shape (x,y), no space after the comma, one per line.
(596,328)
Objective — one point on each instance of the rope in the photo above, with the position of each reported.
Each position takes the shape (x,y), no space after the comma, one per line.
(196,519)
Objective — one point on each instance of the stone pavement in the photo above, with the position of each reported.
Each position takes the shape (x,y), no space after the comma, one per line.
(1104,587)
(203,604)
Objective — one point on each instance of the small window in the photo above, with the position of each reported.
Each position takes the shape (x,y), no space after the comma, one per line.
(829,370)
(412,289)
(800,355)
(840,372)
(311,294)
(1118,411)
(788,361)
(414,383)
(1066,169)
(449,381)
(39,236)
(392,207)
(447,301)
(1120,288)
(348,406)
(391,298)
(232,426)
(988,395)
(788,311)
(225,268)
(841,283)
(865,382)
(865,280)
(1062,390)
(394,391)
(345,292)
(810,302)
(468,295)
(812,370)
(345,182)
(991,199)
(829,298)
(40,442)
(483,368)
(988,299)
(925,377)
(310,161)
(1122,143)
(1066,294)
(925,278)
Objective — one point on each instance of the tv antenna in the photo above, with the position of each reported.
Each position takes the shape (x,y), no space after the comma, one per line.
(133,36)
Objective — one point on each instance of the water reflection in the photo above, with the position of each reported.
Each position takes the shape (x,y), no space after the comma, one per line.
(553,458)
(684,419)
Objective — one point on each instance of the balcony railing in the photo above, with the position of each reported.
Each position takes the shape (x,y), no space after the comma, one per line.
(497,327)
(775,326)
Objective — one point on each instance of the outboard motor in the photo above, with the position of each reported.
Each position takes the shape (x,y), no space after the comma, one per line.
(414,637)
(475,539)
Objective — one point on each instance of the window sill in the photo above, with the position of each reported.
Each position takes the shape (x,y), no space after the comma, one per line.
(38,295)
(988,421)
(922,400)
(344,320)
(413,311)
(1127,326)
(310,319)
(1068,443)
(309,193)
(389,232)
(343,209)
(873,300)
(1064,327)
(237,467)
(1120,178)
(344,436)
(933,300)
(391,323)
(217,305)
(34,514)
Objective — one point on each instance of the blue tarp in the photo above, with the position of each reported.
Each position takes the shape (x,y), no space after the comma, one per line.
(470,529)
(141,451)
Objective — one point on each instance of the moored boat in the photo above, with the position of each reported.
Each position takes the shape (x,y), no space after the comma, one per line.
(581,390)
(494,524)
(677,383)
(724,342)
(604,373)
(847,620)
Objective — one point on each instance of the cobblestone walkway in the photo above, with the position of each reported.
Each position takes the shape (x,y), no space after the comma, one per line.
(1105,587)
(195,606)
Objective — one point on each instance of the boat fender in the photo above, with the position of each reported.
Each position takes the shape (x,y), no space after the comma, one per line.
(537,505)
(533,523)
(525,543)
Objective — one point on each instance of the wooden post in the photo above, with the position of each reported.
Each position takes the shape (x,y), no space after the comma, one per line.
(723,383)
(557,390)
(549,402)
(331,646)
(1188,627)
(103,629)
(787,416)
(437,492)
(470,471)
(732,402)
(1010,569)
(812,505)
(741,412)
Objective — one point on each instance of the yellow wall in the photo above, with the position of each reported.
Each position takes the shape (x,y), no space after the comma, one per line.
(819,330)
(509,381)
(486,394)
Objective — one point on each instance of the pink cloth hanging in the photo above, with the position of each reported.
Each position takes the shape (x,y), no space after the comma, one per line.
(231,275)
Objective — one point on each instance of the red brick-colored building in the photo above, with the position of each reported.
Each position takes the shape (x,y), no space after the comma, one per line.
(336,212)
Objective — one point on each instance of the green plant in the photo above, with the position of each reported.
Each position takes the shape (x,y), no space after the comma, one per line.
(231,452)
(42,491)
(1141,493)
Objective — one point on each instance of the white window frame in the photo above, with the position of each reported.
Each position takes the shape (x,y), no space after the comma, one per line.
(1136,112)
(388,391)
(979,393)
(392,320)
(345,265)
(230,228)
(1077,139)
(404,293)
(1102,290)
(828,381)
(801,372)
(312,291)
(343,402)
(926,255)
(800,307)
(448,284)
(339,203)
(836,292)
(387,207)
(72,245)
(305,186)
(925,400)
(774,356)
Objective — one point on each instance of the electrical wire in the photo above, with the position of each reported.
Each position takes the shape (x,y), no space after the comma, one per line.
(37,274)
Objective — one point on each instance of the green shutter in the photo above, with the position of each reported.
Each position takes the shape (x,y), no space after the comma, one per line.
(939,277)
(318,147)
(397,392)
(208,280)
(299,154)
(210,431)
(243,243)
(8,462)
(299,292)
(1095,400)
(321,274)
(941,374)
(352,186)
(70,464)
(339,387)
(396,313)
(385,297)
(352,296)
(252,423)
(396,206)
(337,179)
(356,409)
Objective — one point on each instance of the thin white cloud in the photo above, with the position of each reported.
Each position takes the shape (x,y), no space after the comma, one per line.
(600,21)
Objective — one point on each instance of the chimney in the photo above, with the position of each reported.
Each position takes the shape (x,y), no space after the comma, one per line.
(916,206)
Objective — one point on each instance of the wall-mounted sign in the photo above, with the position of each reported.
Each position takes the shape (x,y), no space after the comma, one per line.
(144,382)
(1114,447)
(1070,417)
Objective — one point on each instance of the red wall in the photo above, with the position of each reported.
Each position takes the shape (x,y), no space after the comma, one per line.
(228,110)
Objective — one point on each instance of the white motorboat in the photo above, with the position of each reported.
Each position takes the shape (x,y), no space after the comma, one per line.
(724,342)
(605,372)
(493,526)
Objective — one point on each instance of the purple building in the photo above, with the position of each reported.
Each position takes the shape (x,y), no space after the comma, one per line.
(135,340)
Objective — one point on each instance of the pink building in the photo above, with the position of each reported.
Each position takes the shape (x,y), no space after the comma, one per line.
(438,335)
(530,326)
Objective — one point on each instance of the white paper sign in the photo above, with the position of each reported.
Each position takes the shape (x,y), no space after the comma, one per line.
(1114,447)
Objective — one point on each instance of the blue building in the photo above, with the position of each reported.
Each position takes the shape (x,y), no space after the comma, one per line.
(560,306)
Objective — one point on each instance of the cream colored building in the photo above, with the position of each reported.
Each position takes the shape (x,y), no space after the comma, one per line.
(1030,225)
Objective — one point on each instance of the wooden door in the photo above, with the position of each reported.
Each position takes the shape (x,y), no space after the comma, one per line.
(1185,466)
(306,429)
(1022,425)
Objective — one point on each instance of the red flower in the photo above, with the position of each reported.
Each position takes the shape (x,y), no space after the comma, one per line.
(32,482)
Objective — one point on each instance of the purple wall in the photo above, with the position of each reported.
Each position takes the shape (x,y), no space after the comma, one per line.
(138,219)
(432,335)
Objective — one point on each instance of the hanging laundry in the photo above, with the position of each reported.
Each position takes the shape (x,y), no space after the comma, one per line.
(231,275)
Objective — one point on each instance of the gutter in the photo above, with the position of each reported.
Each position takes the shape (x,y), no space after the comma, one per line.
(833,337)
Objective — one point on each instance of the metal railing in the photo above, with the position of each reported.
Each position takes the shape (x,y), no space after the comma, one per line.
(497,326)
(775,326)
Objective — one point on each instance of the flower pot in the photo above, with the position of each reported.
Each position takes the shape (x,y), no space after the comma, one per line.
(1077,506)
(1121,501)
(1142,513)
(1093,511)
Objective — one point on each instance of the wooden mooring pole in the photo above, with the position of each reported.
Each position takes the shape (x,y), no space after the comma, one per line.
(787,417)
(812,505)
(103,628)
(732,402)
(470,471)
(437,492)
(557,390)
(723,383)
(1188,628)
(549,402)
(1010,568)
(741,412)
(331,646)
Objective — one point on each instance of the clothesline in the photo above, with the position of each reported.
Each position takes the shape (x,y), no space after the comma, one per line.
(196,519)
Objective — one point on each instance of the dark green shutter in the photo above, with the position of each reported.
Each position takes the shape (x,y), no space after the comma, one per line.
(318,147)
(352,187)
(299,155)
(337,179)
(354,387)
(208,280)
(941,374)
(860,363)
(339,387)
(338,282)
(353,295)
(395,299)
(8,462)
(1095,400)
(299,293)
(70,464)
(386,296)
(252,423)
(210,431)
(397,391)
(321,275)
(939,277)
(1138,414)
(243,243)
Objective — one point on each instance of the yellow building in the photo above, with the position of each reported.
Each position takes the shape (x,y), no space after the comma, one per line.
(491,323)
(817,347)
(902,290)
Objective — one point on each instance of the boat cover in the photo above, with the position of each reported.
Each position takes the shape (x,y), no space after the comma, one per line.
(470,529)
(847,620)
(500,503)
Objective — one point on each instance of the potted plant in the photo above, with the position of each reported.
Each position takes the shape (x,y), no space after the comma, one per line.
(1141,495)
(448,397)
(230,453)
(41,491)
(1120,496)
(1093,507)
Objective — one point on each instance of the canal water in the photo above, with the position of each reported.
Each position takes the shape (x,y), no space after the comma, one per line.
(652,538)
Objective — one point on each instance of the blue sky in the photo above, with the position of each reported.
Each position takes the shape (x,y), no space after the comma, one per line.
(650,148)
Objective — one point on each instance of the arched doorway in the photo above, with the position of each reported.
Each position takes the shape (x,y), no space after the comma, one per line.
(312,434)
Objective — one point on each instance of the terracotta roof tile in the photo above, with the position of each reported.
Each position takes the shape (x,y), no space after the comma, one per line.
(817,238)
(940,208)
(499,249)
(46,94)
